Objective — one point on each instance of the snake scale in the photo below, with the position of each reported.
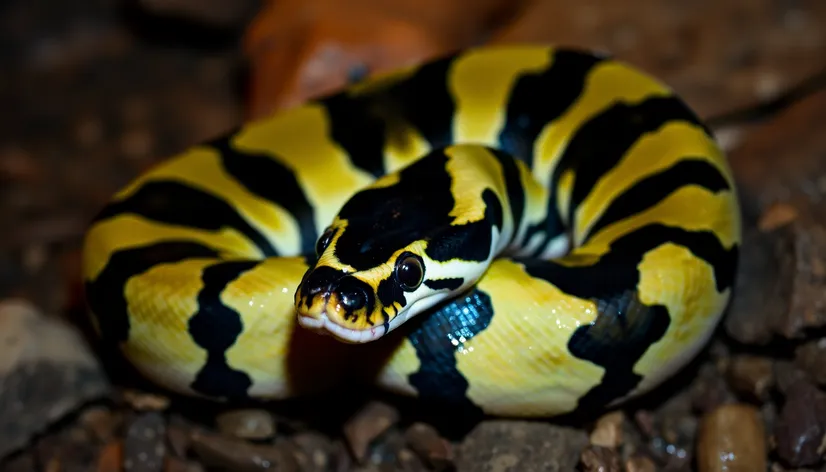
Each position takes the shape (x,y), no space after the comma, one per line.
(525,229)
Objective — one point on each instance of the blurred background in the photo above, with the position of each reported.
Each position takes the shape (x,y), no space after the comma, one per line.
(95,91)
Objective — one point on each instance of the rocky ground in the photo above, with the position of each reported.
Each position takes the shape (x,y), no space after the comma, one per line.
(94,91)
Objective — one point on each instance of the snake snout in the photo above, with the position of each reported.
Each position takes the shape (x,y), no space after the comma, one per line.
(337,304)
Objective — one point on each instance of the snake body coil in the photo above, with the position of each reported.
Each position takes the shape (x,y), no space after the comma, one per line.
(521,229)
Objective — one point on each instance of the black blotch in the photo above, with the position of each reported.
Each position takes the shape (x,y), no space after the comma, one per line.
(178,204)
(450,283)
(216,327)
(363,123)
(493,208)
(105,295)
(513,186)
(310,260)
(600,144)
(618,338)
(432,337)
(271,180)
(386,219)
(382,220)
(539,98)
(425,101)
(651,190)
(625,327)
(357,130)
(470,241)
(536,100)
(388,293)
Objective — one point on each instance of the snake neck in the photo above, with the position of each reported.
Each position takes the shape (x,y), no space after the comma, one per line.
(449,214)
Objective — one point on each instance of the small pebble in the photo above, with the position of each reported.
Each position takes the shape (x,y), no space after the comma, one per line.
(144,447)
(247,424)
(174,464)
(608,430)
(811,357)
(314,452)
(731,438)
(674,432)
(223,452)
(640,463)
(600,459)
(645,422)
(710,390)
(100,422)
(520,446)
(386,450)
(341,457)
(426,442)
(178,436)
(800,428)
(751,376)
(367,425)
(786,374)
(142,401)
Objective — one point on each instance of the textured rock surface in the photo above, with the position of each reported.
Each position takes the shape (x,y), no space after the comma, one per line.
(505,446)
(46,371)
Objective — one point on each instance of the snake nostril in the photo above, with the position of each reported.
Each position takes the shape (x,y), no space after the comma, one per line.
(353,298)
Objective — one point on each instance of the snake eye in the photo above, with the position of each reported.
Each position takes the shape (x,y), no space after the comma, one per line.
(409,271)
(323,242)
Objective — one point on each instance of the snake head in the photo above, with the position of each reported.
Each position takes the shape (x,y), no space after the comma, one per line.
(395,249)
(362,305)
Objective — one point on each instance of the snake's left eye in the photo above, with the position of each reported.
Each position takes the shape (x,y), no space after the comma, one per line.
(323,242)
(409,271)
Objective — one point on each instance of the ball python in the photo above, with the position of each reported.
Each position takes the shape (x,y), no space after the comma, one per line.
(525,229)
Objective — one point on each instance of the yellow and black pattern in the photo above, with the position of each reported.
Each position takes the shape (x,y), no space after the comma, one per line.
(539,229)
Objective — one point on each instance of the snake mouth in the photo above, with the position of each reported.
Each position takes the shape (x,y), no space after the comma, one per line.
(321,323)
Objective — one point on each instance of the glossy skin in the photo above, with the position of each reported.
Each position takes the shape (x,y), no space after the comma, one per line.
(395,250)
(577,227)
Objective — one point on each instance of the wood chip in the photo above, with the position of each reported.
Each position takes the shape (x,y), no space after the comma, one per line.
(777,215)
(368,424)
(426,442)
